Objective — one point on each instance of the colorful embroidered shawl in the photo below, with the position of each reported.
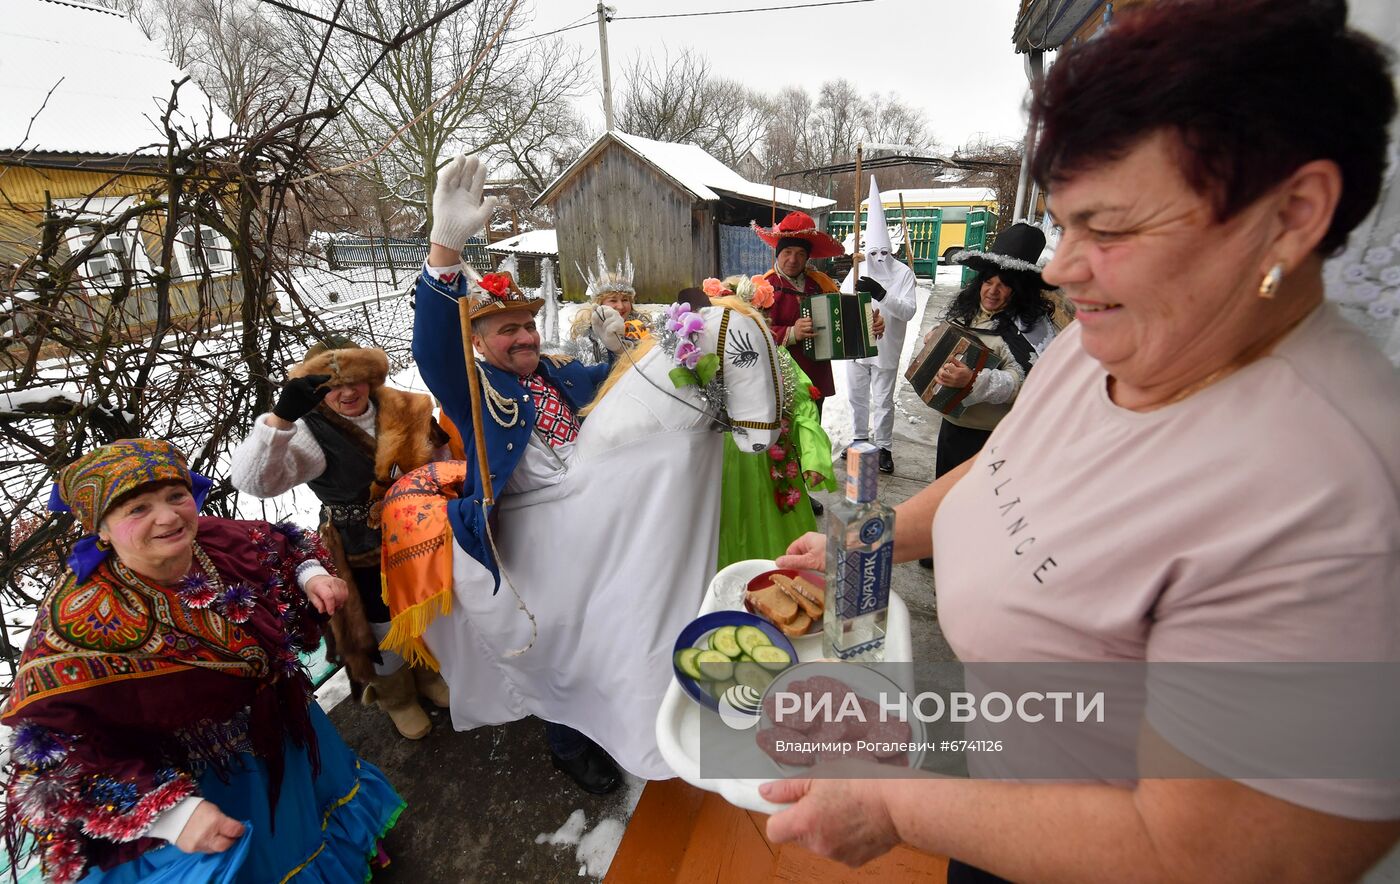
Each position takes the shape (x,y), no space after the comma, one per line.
(127,690)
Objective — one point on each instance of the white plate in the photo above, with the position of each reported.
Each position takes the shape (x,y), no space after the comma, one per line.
(678,720)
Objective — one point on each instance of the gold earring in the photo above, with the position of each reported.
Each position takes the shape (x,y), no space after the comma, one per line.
(1268,286)
(103,545)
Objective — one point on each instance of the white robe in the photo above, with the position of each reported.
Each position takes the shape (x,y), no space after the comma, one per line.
(635,578)
(899,305)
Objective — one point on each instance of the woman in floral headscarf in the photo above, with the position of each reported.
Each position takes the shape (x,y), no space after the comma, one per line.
(163,725)
(765,504)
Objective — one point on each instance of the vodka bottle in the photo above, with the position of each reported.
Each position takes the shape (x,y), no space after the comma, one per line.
(859,562)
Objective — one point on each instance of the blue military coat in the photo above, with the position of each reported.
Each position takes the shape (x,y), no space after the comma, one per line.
(437,348)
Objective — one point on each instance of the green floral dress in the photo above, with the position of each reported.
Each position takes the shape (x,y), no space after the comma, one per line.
(764,504)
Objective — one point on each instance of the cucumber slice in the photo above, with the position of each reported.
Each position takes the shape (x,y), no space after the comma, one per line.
(723,640)
(744,658)
(714,666)
(771,658)
(751,637)
(753,675)
(685,662)
(717,688)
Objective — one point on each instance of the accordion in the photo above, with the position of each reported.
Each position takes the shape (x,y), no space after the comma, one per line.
(949,341)
(842,323)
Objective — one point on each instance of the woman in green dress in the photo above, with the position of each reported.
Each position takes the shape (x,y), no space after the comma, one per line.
(764,503)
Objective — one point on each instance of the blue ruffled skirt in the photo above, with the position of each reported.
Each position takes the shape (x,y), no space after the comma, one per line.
(328,826)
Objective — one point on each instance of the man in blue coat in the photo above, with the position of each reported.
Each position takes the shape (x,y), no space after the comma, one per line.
(529,406)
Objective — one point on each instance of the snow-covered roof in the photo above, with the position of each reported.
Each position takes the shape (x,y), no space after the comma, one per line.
(955,195)
(532,242)
(694,170)
(334,290)
(101,84)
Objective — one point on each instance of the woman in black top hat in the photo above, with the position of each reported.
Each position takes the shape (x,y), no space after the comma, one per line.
(1006,306)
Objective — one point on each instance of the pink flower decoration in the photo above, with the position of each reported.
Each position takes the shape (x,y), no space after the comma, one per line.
(690,324)
(714,288)
(776,452)
(688,354)
(792,497)
(775,473)
(674,311)
(791,469)
(762,293)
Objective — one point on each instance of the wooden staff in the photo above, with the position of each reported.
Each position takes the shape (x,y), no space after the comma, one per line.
(908,237)
(773,206)
(474,388)
(855,261)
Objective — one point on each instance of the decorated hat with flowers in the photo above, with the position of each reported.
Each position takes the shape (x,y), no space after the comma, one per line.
(798,228)
(493,293)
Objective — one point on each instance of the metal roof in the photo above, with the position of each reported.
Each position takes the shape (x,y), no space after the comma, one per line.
(78,79)
(531,242)
(693,170)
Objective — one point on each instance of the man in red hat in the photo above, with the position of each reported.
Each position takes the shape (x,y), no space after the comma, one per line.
(795,241)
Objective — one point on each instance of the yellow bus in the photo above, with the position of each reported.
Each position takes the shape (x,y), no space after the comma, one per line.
(954,203)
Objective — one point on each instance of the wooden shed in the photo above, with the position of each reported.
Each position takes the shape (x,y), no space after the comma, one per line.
(680,213)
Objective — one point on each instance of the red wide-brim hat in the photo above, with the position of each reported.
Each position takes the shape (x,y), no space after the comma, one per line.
(799,225)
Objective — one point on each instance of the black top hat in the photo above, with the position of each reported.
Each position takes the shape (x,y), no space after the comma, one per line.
(1018,248)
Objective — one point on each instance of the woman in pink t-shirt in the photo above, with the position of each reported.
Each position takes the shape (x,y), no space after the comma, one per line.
(1203,468)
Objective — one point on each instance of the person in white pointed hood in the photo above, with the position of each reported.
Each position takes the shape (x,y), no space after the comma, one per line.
(893,286)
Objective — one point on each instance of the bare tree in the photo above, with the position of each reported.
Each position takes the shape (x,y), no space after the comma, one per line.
(535,127)
(997,164)
(461,91)
(681,100)
(237,54)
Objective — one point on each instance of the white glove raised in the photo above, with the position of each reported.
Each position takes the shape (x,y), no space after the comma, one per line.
(608,327)
(459,212)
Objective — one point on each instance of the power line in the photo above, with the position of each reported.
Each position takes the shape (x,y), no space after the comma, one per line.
(740,11)
(573,27)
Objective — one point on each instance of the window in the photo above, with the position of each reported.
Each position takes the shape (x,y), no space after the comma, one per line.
(197,248)
(955,215)
(119,251)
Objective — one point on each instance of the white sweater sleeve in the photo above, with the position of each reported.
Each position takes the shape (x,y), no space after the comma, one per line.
(171,822)
(272,461)
(994,387)
(997,386)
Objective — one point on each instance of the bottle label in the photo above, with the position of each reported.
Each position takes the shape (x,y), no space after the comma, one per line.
(871,530)
(865,578)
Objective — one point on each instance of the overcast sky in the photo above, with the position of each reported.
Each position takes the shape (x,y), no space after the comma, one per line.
(952,59)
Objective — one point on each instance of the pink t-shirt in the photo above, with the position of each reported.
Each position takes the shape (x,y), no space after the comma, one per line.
(1257,520)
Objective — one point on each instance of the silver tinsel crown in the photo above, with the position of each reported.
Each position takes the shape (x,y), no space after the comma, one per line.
(609,279)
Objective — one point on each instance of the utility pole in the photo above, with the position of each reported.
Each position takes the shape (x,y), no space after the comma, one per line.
(603,53)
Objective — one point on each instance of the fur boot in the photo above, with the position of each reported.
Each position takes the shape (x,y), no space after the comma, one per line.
(431,686)
(397,695)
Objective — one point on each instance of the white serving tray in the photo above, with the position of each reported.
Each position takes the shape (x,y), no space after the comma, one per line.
(678,720)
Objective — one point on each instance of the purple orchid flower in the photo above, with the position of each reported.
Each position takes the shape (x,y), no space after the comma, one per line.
(688,354)
(690,324)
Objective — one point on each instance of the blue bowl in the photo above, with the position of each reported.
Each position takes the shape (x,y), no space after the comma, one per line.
(700,628)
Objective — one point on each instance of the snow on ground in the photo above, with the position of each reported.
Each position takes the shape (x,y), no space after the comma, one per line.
(595,848)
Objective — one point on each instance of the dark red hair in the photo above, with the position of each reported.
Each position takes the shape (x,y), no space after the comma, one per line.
(1253,89)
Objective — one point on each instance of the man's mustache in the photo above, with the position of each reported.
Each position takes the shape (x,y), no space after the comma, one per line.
(524,348)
